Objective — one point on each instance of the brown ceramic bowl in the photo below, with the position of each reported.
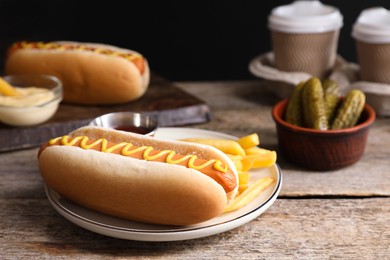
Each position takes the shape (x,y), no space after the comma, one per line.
(318,149)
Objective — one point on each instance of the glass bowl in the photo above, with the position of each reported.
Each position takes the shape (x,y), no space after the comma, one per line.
(31,108)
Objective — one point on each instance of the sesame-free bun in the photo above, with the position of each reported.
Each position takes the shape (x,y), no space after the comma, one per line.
(88,77)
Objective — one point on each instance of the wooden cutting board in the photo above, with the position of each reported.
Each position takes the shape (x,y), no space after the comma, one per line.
(171,105)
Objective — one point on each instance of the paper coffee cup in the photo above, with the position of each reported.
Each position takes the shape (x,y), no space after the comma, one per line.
(372,35)
(304,37)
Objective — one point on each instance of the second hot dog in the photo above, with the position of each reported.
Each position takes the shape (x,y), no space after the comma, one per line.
(91,73)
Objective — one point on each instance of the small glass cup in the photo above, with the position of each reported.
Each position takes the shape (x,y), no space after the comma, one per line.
(30,115)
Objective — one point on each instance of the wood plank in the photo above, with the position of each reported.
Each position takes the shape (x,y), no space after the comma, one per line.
(290,229)
(171,105)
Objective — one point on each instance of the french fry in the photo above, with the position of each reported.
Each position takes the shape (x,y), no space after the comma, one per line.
(6,89)
(255,150)
(242,188)
(246,164)
(243,177)
(243,180)
(237,160)
(259,160)
(226,146)
(249,141)
(250,193)
(235,156)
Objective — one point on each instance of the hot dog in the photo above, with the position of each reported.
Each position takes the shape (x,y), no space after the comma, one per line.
(139,178)
(91,73)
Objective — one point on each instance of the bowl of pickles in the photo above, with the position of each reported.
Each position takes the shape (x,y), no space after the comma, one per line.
(320,129)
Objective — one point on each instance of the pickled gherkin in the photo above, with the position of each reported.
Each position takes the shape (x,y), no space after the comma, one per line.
(313,104)
(332,98)
(350,109)
(294,106)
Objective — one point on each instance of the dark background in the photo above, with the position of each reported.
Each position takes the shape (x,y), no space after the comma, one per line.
(183,40)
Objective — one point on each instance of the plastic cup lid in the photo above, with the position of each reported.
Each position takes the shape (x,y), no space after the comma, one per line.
(305,17)
(372,26)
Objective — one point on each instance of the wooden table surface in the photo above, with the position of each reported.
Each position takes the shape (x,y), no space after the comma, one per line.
(343,214)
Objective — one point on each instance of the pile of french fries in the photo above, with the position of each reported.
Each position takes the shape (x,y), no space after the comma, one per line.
(246,155)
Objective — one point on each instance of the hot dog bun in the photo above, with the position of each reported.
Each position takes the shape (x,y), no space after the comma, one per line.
(91,73)
(133,189)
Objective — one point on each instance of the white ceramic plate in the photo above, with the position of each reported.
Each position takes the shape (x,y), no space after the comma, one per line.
(119,228)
